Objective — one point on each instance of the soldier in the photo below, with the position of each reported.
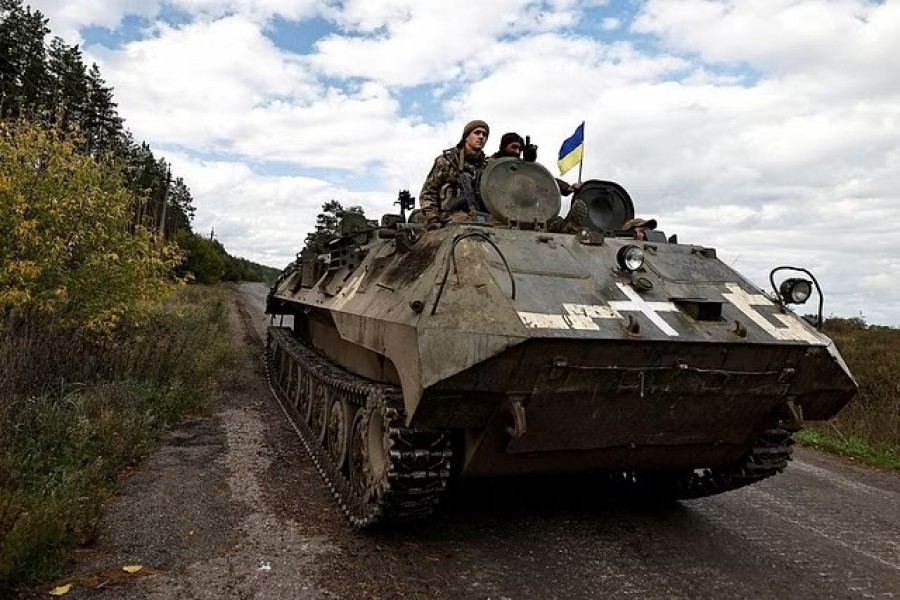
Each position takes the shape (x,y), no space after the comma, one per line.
(450,186)
(512,145)
(639,227)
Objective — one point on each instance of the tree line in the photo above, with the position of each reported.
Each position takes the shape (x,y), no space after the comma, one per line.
(49,84)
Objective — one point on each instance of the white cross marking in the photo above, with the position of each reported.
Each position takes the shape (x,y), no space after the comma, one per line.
(648,309)
(581,316)
(577,316)
(793,329)
(543,321)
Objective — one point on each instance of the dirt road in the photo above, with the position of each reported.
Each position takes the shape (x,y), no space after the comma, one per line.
(230,507)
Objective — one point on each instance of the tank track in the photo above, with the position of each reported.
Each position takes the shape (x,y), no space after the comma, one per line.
(769,456)
(377,469)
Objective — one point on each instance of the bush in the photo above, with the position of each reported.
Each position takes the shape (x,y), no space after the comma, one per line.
(67,247)
(206,261)
(203,262)
(104,400)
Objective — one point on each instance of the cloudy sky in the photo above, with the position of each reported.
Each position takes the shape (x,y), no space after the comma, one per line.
(769,129)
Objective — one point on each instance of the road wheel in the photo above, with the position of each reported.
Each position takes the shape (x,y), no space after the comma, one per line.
(369,463)
(293,383)
(338,432)
(320,410)
(305,397)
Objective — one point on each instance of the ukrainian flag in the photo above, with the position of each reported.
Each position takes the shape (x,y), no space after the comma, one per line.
(572,150)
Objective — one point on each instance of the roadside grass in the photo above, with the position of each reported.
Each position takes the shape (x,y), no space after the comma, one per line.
(75,409)
(856,448)
(868,428)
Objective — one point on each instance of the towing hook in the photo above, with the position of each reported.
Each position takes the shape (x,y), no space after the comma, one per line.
(518,427)
(632,327)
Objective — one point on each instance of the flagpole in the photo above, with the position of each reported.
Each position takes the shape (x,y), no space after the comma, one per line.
(581,162)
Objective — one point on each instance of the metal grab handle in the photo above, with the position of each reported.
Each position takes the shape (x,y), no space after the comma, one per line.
(781,302)
(452,256)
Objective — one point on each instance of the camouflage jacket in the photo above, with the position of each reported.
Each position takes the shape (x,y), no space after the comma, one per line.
(446,171)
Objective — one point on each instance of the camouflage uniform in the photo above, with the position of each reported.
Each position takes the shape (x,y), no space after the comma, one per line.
(446,171)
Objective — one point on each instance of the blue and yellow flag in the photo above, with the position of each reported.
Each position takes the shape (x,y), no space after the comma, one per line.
(572,150)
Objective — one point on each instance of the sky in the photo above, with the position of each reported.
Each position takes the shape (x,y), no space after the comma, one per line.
(767,129)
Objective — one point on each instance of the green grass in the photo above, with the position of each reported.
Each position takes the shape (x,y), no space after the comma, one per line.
(107,403)
(853,447)
(868,428)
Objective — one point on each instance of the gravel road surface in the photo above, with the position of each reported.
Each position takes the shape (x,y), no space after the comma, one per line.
(230,507)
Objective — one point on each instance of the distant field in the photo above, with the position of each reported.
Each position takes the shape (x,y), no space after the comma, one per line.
(868,429)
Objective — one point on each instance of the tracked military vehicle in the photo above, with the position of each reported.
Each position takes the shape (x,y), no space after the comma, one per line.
(494,347)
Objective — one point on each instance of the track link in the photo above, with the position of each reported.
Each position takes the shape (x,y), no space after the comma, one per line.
(768,456)
(354,431)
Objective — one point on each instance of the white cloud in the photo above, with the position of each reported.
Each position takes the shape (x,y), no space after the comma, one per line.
(67,17)
(268,217)
(223,86)
(258,10)
(188,85)
(417,42)
(853,37)
(610,24)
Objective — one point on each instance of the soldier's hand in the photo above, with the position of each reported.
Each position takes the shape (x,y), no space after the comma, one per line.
(433,221)
(570,188)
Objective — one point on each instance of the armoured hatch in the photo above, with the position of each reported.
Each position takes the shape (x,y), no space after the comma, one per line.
(609,205)
(517,190)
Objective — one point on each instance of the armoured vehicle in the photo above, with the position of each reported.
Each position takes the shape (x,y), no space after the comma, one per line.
(495,347)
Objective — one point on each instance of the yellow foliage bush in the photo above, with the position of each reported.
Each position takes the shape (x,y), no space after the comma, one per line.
(67,244)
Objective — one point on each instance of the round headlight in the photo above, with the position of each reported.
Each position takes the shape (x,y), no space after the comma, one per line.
(796,291)
(630,258)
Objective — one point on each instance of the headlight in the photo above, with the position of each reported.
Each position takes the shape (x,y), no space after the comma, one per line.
(795,290)
(630,258)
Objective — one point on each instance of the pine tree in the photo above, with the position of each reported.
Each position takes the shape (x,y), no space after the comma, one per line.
(69,84)
(328,224)
(181,202)
(102,123)
(23,73)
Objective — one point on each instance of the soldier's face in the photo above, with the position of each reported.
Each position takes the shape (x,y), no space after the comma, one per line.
(477,139)
(513,149)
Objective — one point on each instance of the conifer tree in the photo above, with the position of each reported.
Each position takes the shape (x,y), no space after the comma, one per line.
(23,73)
(102,122)
(69,83)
